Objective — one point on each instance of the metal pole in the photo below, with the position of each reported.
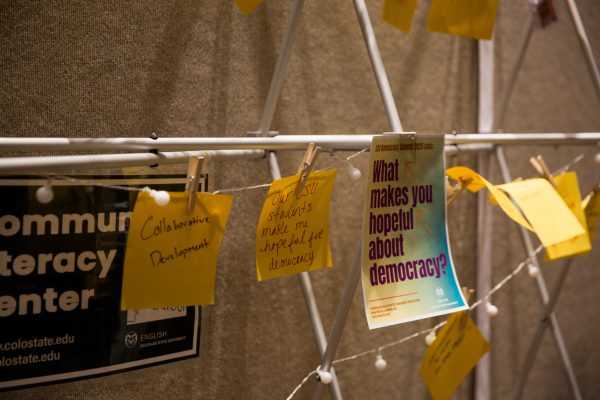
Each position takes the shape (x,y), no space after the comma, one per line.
(20,165)
(263,129)
(392,114)
(509,84)
(539,333)
(542,289)
(340,317)
(310,301)
(585,45)
(380,75)
(280,142)
(484,214)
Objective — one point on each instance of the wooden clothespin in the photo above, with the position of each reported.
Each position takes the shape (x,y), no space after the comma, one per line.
(540,166)
(468,294)
(306,164)
(455,191)
(193,178)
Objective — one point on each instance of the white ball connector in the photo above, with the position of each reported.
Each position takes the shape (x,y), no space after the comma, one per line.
(324,377)
(491,309)
(533,271)
(354,172)
(597,158)
(44,194)
(161,197)
(430,338)
(380,363)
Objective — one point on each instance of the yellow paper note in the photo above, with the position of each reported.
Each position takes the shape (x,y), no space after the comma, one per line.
(462,174)
(457,349)
(545,210)
(399,13)
(247,6)
(293,234)
(568,189)
(591,207)
(171,256)
(470,18)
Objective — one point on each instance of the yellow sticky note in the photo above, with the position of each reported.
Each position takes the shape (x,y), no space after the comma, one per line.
(470,18)
(591,208)
(477,183)
(568,189)
(545,210)
(247,6)
(293,234)
(457,349)
(399,13)
(171,256)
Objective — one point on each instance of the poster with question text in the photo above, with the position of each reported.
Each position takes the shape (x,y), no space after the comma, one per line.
(407,270)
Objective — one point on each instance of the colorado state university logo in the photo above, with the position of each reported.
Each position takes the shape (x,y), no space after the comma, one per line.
(131,339)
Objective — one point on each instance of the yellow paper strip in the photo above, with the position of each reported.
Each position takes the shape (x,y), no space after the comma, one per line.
(171,256)
(399,13)
(463,174)
(457,349)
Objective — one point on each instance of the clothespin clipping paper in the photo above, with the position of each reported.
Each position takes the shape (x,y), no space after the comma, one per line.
(457,349)
(591,207)
(193,177)
(292,235)
(171,254)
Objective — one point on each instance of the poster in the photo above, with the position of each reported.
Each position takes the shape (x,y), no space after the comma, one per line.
(407,270)
(61,268)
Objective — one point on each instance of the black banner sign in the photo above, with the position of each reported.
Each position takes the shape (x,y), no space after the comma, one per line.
(61,269)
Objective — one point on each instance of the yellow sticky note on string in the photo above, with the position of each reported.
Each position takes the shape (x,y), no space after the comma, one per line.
(247,6)
(477,182)
(171,256)
(568,189)
(293,233)
(545,210)
(399,13)
(591,208)
(470,18)
(457,349)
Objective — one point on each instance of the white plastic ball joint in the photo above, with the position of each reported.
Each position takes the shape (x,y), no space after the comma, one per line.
(161,197)
(324,377)
(533,271)
(430,338)
(380,363)
(597,158)
(491,309)
(44,194)
(354,172)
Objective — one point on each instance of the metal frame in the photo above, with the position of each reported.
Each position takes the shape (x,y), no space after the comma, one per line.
(548,316)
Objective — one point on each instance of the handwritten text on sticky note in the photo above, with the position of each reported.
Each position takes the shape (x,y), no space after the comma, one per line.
(171,255)
(293,234)
(457,349)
